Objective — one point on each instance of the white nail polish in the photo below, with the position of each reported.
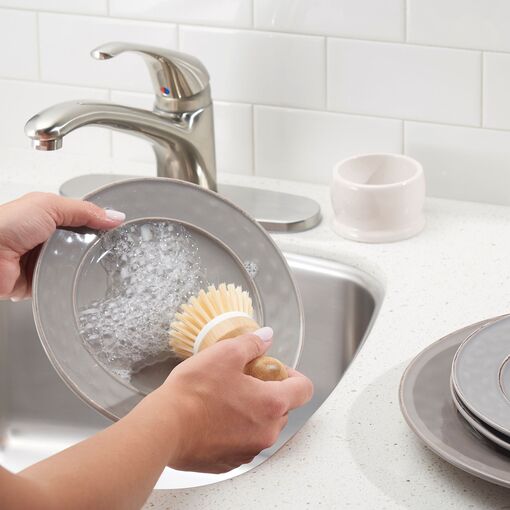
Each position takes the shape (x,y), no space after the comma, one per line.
(114,215)
(265,333)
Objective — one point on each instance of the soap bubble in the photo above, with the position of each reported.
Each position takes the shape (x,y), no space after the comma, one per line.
(251,268)
(151,269)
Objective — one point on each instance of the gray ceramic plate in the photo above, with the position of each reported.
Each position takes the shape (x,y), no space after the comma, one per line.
(67,276)
(481,374)
(487,432)
(426,403)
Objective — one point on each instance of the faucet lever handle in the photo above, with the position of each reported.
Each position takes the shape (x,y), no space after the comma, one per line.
(181,82)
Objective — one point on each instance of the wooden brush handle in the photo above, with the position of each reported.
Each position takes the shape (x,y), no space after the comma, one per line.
(266,368)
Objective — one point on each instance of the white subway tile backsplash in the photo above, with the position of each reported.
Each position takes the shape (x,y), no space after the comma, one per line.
(18,40)
(478,24)
(402,81)
(260,67)
(232,126)
(236,13)
(297,84)
(305,145)
(462,163)
(372,19)
(21,100)
(496,91)
(71,6)
(66,42)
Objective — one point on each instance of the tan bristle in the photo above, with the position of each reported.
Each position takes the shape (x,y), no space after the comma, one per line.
(201,309)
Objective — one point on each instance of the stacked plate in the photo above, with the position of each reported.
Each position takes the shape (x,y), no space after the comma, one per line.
(480,382)
(455,395)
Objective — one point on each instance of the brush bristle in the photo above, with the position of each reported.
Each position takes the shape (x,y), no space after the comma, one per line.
(201,309)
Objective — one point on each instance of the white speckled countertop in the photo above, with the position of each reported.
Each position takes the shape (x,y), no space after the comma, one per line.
(356,451)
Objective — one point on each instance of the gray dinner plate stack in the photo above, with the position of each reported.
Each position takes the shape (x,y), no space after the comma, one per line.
(480,382)
(455,395)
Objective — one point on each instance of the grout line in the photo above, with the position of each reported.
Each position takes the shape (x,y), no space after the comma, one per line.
(380,117)
(482,100)
(266,30)
(326,99)
(253,13)
(406,11)
(178,37)
(62,84)
(267,105)
(253,142)
(38,42)
(369,116)
(46,11)
(110,131)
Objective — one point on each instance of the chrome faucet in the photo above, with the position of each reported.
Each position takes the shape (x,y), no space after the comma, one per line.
(181,130)
(180,127)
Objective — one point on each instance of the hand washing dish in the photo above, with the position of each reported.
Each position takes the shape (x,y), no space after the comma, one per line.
(378,198)
(75,275)
(426,403)
(481,375)
(212,316)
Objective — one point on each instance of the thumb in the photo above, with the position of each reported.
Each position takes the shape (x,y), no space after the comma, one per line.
(68,212)
(250,346)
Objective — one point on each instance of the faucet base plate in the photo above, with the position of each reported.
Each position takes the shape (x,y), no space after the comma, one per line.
(275,211)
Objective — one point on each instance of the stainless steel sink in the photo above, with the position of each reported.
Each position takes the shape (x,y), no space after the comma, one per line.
(40,416)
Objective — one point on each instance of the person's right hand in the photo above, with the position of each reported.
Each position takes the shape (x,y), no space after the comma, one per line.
(225,417)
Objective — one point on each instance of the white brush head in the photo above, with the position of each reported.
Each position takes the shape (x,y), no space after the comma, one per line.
(206,310)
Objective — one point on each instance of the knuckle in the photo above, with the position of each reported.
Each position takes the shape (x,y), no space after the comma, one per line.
(38,197)
(275,435)
(233,350)
(267,439)
(90,207)
(254,342)
(262,443)
(238,347)
(276,407)
(48,202)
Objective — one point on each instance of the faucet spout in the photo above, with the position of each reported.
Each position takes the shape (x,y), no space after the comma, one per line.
(182,142)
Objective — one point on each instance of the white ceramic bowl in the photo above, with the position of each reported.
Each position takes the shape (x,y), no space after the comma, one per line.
(378,198)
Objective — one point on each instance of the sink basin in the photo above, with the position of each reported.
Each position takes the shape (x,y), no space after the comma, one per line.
(40,416)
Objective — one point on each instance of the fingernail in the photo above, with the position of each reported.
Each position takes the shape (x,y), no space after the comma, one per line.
(265,333)
(114,215)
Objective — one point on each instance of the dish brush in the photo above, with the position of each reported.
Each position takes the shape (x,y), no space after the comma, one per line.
(220,313)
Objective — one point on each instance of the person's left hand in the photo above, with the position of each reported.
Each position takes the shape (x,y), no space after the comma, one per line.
(28,222)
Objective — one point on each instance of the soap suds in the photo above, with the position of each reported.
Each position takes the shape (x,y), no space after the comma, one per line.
(151,268)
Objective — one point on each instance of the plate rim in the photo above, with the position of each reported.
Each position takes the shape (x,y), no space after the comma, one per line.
(477,424)
(35,305)
(461,394)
